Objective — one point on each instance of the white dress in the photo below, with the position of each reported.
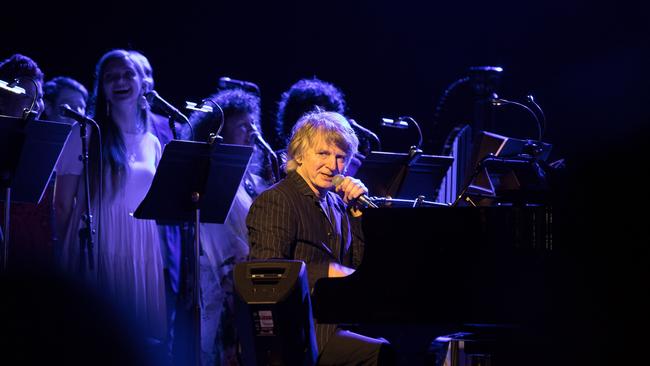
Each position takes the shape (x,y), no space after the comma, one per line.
(130,268)
(224,245)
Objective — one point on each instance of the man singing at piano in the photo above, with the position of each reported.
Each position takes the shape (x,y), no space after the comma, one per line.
(313,217)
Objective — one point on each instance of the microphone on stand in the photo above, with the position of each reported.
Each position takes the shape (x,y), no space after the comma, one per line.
(156,101)
(259,141)
(228,83)
(67,112)
(371,135)
(363,199)
(85,233)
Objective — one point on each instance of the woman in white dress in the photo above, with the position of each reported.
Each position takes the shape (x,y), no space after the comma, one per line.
(128,266)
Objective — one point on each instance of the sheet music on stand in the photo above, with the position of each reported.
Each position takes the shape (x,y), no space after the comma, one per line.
(400,176)
(194,182)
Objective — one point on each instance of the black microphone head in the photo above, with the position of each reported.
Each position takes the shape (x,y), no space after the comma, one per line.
(64,110)
(223,82)
(228,83)
(337,180)
(256,137)
(150,96)
(362,201)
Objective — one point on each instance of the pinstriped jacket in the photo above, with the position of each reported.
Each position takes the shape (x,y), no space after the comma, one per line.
(287,221)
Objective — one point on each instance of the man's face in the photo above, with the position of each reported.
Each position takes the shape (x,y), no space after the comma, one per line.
(319,163)
(72,98)
(237,129)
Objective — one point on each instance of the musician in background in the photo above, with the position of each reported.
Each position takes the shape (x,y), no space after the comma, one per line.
(306,217)
(58,91)
(30,229)
(129,268)
(63,90)
(302,97)
(305,96)
(25,73)
(225,245)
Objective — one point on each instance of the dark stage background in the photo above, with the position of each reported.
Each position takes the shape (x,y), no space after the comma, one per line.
(586,63)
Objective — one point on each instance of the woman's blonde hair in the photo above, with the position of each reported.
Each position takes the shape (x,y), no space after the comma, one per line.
(331,126)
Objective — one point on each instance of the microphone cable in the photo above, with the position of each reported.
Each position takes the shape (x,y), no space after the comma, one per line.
(27,112)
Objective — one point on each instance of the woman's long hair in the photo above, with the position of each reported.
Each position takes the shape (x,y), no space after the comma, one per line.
(113,147)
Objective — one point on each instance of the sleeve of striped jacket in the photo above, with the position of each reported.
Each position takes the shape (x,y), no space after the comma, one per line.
(271,226)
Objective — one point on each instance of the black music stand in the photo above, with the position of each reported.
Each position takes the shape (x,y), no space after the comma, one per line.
(505,165)
(195,182)
(403,176)
(28,152)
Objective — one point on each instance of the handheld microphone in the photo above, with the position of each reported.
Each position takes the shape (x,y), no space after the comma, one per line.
(228,83)
(363,199)
(66,111)
(367,132)
(156,101)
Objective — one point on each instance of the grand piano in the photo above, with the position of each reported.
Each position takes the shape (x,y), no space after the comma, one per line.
(444,265)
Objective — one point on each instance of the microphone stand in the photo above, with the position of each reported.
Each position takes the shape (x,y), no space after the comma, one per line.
(477,170)
(196,280)
(5,231)
(368,134)
(462,194)
(85,233)
(28,115)
(269,151)
(273,157)
(172,126)
(418,202)
(274,165)
(486,161)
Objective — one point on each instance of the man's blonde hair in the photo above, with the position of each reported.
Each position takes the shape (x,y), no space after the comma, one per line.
(332,126)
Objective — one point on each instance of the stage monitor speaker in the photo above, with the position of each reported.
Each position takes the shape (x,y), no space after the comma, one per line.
(273,313)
